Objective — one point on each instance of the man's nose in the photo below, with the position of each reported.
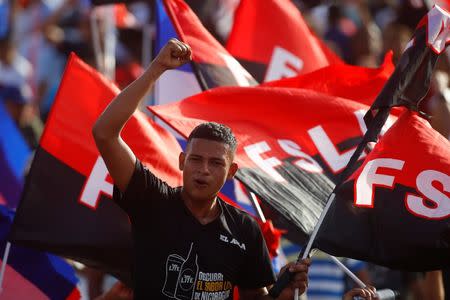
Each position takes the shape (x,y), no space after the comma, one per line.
(204,167)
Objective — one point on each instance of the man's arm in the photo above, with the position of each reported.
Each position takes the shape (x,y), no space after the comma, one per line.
(118,157)
(299,281)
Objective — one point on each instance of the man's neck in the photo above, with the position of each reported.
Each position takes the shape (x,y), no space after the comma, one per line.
(204,211)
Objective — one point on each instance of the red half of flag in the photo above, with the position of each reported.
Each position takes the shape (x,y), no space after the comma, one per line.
(395,209)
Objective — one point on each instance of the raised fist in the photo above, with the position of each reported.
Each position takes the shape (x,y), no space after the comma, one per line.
(173,55)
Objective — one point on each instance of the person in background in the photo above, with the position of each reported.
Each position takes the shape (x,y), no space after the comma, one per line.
(16,94)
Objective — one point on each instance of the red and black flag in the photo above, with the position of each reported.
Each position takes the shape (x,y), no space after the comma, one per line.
(341,80)
(417,62)
(410,81)
(66,206)
(395,209)
(292,142)
(272,41)
(423,187)
(212,64)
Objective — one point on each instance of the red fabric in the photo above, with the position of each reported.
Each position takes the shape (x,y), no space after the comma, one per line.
(260,26)
(397,213)
(341,80)
(412,139)
(83,94)
(205,48)
(127,73)
(272,236)
(75,295)
(266,114)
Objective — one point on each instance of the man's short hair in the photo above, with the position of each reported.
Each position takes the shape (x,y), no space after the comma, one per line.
(215,132)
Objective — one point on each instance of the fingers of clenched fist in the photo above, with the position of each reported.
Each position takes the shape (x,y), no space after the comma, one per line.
(180,50)
(300,281)
(174,54)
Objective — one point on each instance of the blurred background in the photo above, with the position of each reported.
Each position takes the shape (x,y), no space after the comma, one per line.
(37,36)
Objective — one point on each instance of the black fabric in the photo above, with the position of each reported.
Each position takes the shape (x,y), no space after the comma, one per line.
(382,234)
(446,280)
(411,79)
(176,257)
(216,76)
(50,218)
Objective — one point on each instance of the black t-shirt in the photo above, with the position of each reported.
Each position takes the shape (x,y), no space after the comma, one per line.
(176,257)
(446,280)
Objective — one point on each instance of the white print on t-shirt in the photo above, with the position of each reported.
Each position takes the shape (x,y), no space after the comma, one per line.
(181,275)
(233,241)
(183,281)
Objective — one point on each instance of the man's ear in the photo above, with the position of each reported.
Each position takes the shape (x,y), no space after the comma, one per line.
(181,158)
(233,169)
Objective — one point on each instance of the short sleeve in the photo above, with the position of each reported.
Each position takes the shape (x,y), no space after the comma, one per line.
(143,192)
(257,271)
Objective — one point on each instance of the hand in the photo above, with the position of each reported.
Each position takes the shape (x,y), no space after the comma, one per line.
(118,291)
(173,55)
(368,293)
(299,280)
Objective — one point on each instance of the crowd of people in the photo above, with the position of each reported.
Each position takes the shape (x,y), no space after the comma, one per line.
(36,37)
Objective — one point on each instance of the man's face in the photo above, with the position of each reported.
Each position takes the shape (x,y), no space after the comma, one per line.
(206,165)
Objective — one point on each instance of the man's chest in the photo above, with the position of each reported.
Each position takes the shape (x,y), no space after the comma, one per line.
(194,262)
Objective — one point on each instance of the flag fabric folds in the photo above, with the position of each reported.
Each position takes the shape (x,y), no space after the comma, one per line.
(292,143)
(66,207)
(395,209)
(400,220)
(183,77)
(272,41)
(410,81)
(32,274)
(411,78)
(212,64)
(341,80)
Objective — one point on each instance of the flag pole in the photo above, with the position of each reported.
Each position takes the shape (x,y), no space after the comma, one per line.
(384,294)
(257,207)
(96,41)
(371,134)
(394,93)
(110,42)
(5,260)
(337,261)
(348,272)
(260,214)
(147,35)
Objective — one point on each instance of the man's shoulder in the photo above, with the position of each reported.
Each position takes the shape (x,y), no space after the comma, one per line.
(155,182)
(238,216)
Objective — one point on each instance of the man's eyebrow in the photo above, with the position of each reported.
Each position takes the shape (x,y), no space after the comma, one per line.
(217,158)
